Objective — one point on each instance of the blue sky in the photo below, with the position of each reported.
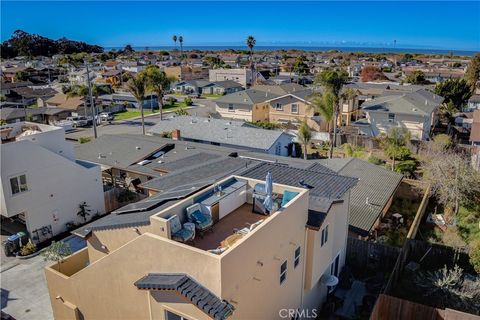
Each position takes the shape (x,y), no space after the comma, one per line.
(438,25)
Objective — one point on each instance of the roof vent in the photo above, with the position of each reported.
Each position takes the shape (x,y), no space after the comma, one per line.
(245,100)
(366,201)
(100,156)
(137,147)
(414,109)
(426,102)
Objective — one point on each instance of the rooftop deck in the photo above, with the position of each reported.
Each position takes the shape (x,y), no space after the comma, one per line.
(241,218)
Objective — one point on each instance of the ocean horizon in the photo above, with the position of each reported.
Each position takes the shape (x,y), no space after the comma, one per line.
(307,49)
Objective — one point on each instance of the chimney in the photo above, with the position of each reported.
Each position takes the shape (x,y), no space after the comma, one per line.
(175,134)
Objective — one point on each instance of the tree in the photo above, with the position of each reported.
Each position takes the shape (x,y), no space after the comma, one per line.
(300,67)
(137,88)
(475,255)
(57,252)
(371,73)
(451,177)
(416,77)
(332,81)
(180,39)
(25,44)
(174,38)
(128,49)
(394,145)
(83,211)
(250,44)
(304,135)
(450,288)
(158,82)
(472,76)
(456,91)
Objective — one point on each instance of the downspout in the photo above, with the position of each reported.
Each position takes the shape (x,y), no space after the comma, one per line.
(304,266)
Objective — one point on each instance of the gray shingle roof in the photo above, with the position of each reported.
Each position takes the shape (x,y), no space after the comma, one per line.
(186,286)
(374,182)
(208,172)
(219,131)
(420,103)
(226,84)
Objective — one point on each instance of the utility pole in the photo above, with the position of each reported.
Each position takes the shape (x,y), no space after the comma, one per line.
(92,104)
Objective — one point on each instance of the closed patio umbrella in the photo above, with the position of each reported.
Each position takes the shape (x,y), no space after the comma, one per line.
(268,202)
(294,150)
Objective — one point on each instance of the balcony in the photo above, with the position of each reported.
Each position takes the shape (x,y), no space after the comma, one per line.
(72,264)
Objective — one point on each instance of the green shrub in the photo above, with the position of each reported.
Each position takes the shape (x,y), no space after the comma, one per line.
(188,101)
(84,139)
(406,167)
(28,248)
(166,135)
(376,160)
(475,255)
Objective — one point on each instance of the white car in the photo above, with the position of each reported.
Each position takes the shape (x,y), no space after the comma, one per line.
(78,121)
(106,116)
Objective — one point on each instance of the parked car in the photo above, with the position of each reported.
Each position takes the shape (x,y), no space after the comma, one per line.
(78,121)
(106,116)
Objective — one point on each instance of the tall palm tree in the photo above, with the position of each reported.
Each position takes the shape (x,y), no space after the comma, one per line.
(304,135)
(158,82)
(332,82)
(250,44)
(137,88)
(180,39)
(174,38)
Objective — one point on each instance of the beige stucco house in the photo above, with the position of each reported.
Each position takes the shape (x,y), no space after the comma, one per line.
(250,266)
(415,112)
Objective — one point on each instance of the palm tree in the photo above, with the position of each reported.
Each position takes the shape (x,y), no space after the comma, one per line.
(304,135)
(180,39)
(332,81)
(174,38)
(137,88)
(323,105)
(250,44)
(158,82)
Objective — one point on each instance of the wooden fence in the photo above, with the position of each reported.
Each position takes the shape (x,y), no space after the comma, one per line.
(388,307)
(371,255)
(111,199)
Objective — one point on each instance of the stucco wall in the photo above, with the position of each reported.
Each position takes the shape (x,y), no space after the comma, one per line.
(105,289)
(56,186)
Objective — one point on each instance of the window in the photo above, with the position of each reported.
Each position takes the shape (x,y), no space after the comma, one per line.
(18,184)
(391,117)
(278,106)
(296,261)
(283,272)
(230,107)
(324,235)
(172,316)
(294,108)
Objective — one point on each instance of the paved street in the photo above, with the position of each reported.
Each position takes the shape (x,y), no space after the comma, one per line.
(202,108)
(24,288)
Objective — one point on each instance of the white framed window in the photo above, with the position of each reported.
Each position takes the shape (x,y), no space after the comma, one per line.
(18,184)
(294,108)
(324,235)
(283,272)
(279,107)
(296,260)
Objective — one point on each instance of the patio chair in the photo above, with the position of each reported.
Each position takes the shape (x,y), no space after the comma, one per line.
(185,234)
(201,217)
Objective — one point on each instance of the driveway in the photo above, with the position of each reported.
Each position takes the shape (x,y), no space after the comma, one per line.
(24,288)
